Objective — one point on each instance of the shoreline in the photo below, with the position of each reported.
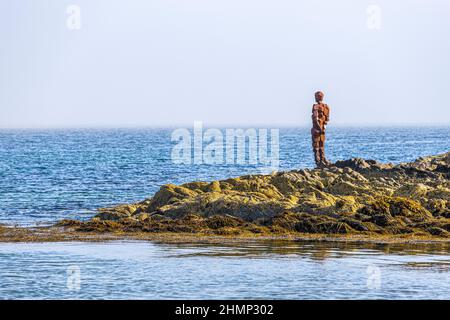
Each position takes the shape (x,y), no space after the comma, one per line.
(10,234)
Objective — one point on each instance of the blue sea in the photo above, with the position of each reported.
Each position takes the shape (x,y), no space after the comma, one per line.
(48,175)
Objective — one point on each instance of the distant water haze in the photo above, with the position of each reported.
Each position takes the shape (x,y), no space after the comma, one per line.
(158,63)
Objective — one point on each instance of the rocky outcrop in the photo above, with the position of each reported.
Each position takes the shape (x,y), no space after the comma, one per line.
(351,196)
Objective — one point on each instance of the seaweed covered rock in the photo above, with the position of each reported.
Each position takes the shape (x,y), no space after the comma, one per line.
(352,196)
(397,207)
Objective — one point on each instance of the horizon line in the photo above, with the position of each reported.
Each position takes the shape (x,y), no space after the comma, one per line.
(224,126)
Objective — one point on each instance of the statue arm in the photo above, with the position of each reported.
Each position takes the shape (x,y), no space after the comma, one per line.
(327,114)
(315,118)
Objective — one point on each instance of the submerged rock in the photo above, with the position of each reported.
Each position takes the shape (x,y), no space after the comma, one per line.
(351,196)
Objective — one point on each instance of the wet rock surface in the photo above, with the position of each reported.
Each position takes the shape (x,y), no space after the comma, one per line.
(354,196)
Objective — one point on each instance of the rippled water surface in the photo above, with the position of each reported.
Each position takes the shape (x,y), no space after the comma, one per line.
(143,270)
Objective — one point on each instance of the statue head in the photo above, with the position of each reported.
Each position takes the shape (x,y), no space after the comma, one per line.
(319,96)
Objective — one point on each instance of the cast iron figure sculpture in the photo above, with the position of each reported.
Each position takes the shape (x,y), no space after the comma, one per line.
(320,118)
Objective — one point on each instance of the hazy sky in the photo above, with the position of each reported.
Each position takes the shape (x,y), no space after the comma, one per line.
(224,62)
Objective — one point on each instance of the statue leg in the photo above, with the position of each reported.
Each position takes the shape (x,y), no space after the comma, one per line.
(322,151)
(316,148)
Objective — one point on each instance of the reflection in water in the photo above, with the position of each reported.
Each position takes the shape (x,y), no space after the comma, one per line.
(271,270)
(314,250)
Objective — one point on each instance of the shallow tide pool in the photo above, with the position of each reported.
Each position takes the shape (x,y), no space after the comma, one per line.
(265,270)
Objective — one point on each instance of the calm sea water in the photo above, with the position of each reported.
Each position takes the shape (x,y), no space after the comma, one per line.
(47,175)
(142,270)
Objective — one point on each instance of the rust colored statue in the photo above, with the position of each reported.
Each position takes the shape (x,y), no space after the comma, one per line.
(320,118)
